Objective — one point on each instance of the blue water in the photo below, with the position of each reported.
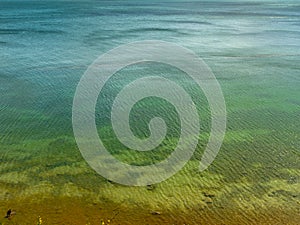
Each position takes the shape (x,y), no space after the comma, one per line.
(46,46)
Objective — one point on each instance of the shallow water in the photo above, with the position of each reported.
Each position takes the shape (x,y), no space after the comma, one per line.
(253,48)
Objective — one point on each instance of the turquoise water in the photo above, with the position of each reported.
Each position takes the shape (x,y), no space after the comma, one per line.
(253,48)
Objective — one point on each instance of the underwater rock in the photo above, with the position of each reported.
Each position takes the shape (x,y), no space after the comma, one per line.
(9,214)
(150,187)
(155,213)
(280,192)
(292,180)
(209,195)
(208,200)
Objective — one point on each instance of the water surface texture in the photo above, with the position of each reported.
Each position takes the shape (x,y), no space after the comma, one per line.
(252,47)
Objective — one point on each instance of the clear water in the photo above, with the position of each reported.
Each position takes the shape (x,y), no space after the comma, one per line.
(253,48)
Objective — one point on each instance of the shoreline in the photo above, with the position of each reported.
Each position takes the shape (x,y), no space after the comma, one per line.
(78,211)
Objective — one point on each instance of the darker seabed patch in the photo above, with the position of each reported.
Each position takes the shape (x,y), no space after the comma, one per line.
(195,22)
(294,102)
(19,31)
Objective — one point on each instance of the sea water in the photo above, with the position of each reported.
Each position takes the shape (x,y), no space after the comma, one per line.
(252,47)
